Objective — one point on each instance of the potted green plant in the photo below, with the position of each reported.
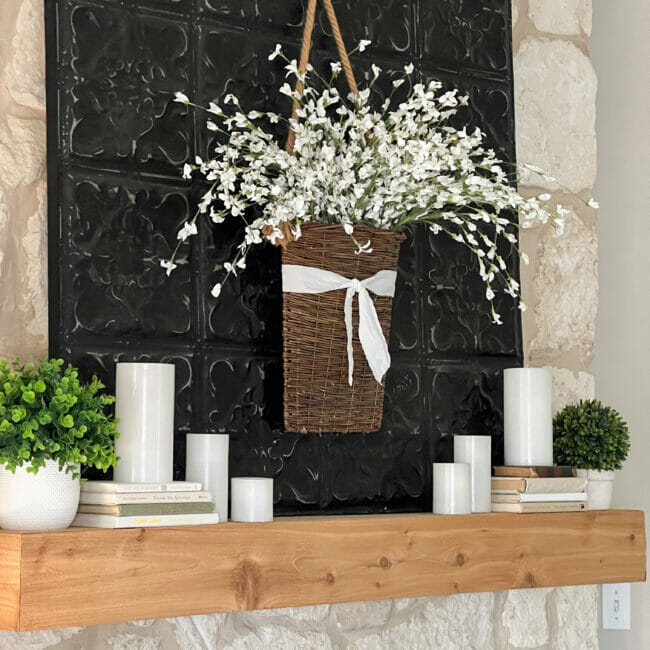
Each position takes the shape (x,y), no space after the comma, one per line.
(594,439)
(50,424)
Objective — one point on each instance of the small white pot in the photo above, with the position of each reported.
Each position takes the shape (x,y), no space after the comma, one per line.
(47,500)
(600,487)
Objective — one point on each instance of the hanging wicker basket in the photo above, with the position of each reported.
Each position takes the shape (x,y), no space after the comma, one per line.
(317,396)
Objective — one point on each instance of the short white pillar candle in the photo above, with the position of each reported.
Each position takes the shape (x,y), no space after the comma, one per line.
(144,404)
(477,451)
(527,416)
(207,462)
(451,489)
(251,499)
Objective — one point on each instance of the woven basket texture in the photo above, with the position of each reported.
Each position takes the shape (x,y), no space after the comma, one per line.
(317,397)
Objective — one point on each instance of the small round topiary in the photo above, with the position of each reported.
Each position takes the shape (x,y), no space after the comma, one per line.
(47,413)
(590,436)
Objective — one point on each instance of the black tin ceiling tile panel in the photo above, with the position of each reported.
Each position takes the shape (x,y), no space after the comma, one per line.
(116,234)
(116,145)
(456,315)
(118,66)
(466,34)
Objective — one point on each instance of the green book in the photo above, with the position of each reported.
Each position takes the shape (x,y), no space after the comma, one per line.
(135,509)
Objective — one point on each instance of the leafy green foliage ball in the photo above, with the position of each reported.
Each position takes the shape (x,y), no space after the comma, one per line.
(590,436)
(46,413)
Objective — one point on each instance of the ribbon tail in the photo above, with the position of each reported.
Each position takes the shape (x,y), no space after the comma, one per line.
(347,311)
(371,337)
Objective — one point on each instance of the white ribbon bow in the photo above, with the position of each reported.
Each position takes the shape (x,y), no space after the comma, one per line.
(307,279)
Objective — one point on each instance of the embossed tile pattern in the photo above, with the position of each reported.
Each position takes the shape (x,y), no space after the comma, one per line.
(117,144)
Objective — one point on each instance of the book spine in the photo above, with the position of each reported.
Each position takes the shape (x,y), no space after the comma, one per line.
(148,509)
(120,488)
(509,484)
(554,472)
(116,499)
(139,521)
(553,496)
(523,497)
(111,487)
(534,471)
(570,506)
(182,486)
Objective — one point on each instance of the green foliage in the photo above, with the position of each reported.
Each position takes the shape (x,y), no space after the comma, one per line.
(46,413)
(590,436)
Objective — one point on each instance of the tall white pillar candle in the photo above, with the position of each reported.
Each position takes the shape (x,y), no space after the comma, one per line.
(527,416)
(251,499)
(144,404)
(451,489)
(207,463)
(477,451)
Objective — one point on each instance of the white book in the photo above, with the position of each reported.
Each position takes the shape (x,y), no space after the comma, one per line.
(144,521)
(507,485)
(114,486)
(116,498)
(526,497)
(546,506)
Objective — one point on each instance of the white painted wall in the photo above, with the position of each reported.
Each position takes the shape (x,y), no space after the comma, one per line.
(620,50)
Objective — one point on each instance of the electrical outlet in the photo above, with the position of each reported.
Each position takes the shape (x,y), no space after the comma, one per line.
(616,606)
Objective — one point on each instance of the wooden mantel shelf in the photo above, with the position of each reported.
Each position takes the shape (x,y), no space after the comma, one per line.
(84,576)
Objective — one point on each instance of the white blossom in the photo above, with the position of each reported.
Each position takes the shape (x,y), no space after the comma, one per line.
(354,165)
(292,68)
(365,248)
(186,231)
(216,217)
(168,265)
(593,204)
(363,44)
(285,89)
(276,52)
(216,290)
(181,98)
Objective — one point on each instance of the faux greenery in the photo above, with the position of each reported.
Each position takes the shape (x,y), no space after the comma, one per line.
(46,413)
(590,435)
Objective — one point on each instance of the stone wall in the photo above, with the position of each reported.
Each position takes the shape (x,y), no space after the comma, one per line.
(555,98)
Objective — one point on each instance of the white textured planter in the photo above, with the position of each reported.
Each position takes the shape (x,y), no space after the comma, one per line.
(600,487)
(47,500)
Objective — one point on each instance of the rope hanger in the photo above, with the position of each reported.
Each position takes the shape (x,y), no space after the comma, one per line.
(304,58)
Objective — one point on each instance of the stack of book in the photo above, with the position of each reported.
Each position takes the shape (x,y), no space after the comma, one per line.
(108,504)
(537,489)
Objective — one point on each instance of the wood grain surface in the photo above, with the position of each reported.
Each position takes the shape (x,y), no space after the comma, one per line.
(10,557)
(85,576)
